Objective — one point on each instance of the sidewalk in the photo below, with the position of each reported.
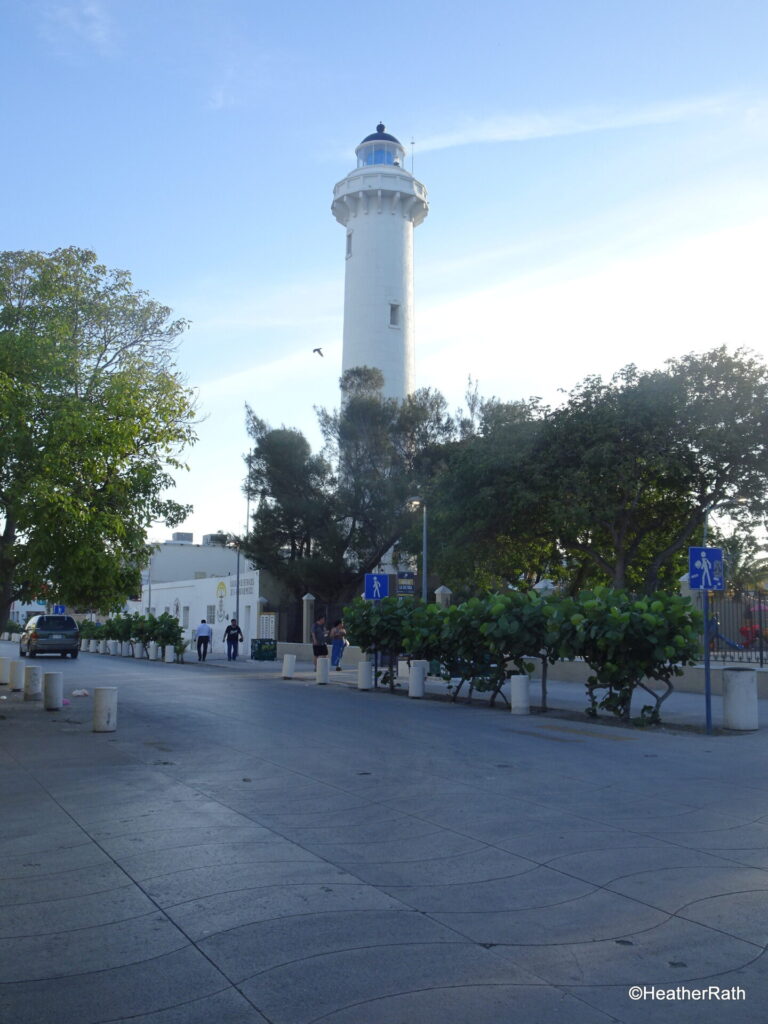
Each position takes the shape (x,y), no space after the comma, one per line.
(246,849)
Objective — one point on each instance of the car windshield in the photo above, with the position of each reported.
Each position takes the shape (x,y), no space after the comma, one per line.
(56,622)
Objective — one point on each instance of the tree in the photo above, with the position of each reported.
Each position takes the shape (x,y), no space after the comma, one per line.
(324,521)
(93,415)
(612,486)
(627,471)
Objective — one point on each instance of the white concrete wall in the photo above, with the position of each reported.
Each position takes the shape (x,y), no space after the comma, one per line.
(173,561)
(190,599)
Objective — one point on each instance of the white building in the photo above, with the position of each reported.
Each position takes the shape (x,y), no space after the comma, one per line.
(215,600)
(184,560)
(379,204)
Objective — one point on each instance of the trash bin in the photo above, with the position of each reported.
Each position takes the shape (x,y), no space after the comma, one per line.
(740,699)
(263,650)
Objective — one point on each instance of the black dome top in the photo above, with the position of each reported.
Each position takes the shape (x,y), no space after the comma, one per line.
(380,136)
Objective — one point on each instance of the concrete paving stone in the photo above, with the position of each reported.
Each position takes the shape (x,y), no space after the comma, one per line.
(97,948)
(200,918)
(72,912)
(197,814)
(545,845)
(361,813)
(607,866)
(671,889)
(404,851)
(259,807)
(175,838)
(478,1004)
(41,841)
(752,836)
(164,982)
(44,862)
(537,887)
(197,883)
(223,1008)
(586,918)
(314,988)
(674,952)
(478,863)
(741,914)
(217,857)
(256,948)
(688,820)
(100,878)
(373,832)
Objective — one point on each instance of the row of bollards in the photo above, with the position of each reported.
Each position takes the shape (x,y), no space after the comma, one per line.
(418,670)
(740,705)
(48,688)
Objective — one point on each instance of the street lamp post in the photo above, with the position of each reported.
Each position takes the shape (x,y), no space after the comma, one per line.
(424,552)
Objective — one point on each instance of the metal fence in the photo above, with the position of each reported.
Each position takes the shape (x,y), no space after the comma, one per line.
(739,626)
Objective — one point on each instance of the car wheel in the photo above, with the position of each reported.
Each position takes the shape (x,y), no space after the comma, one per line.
(74,653)
(31,653)
(63,654)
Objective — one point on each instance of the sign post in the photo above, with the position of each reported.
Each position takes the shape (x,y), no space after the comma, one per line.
(705,573)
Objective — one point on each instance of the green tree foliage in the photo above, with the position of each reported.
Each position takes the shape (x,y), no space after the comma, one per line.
(611,487)
(324,520)
(93,415)
(626,640)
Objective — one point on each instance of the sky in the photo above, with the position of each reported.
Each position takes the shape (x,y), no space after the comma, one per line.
(596,173)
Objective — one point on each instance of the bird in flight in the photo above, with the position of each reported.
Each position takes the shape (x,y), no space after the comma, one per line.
(319,351)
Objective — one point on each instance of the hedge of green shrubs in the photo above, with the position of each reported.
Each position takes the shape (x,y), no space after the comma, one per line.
(625,640)
(163,630)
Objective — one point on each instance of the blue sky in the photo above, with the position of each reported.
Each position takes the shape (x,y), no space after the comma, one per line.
(596,174)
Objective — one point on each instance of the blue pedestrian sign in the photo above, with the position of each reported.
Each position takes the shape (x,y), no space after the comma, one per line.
(376,586)
(705,569)
(59,609)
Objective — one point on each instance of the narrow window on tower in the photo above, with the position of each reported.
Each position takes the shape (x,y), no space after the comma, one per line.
(394,314)
(349,245)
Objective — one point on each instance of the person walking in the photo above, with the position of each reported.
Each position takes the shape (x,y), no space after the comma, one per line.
(204,634)
(233,634)
(338,637)
(319,645)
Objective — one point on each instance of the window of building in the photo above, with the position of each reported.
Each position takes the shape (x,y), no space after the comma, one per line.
(210,613)
(349,245)
(394,314)
(185,617)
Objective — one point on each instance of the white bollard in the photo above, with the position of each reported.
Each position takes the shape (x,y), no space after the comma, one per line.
(153,649)
(105,709)
(365,675)
(417,678)
(33,682)
(520,694)
(53,691)
(5,671)
(740,699)
(322,670)
(289,665)
(170,653)
(403,669)
(16,676)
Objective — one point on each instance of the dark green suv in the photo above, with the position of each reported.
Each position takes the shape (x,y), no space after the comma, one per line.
(50,634)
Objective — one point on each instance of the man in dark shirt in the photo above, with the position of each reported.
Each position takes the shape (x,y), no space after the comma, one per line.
(319,646)
(232,634)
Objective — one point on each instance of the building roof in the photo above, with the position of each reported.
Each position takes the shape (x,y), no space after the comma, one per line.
(381,136)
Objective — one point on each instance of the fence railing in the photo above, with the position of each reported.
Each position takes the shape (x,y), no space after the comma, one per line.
(739,627)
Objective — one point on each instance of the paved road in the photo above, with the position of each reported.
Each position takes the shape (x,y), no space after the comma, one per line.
(245,849)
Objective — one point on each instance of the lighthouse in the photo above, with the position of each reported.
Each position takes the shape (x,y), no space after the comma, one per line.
(379,204)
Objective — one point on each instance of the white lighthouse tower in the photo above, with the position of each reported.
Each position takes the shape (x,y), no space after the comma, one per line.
(380,203)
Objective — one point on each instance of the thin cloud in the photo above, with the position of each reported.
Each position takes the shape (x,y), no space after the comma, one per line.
(525,127)
(84,22)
